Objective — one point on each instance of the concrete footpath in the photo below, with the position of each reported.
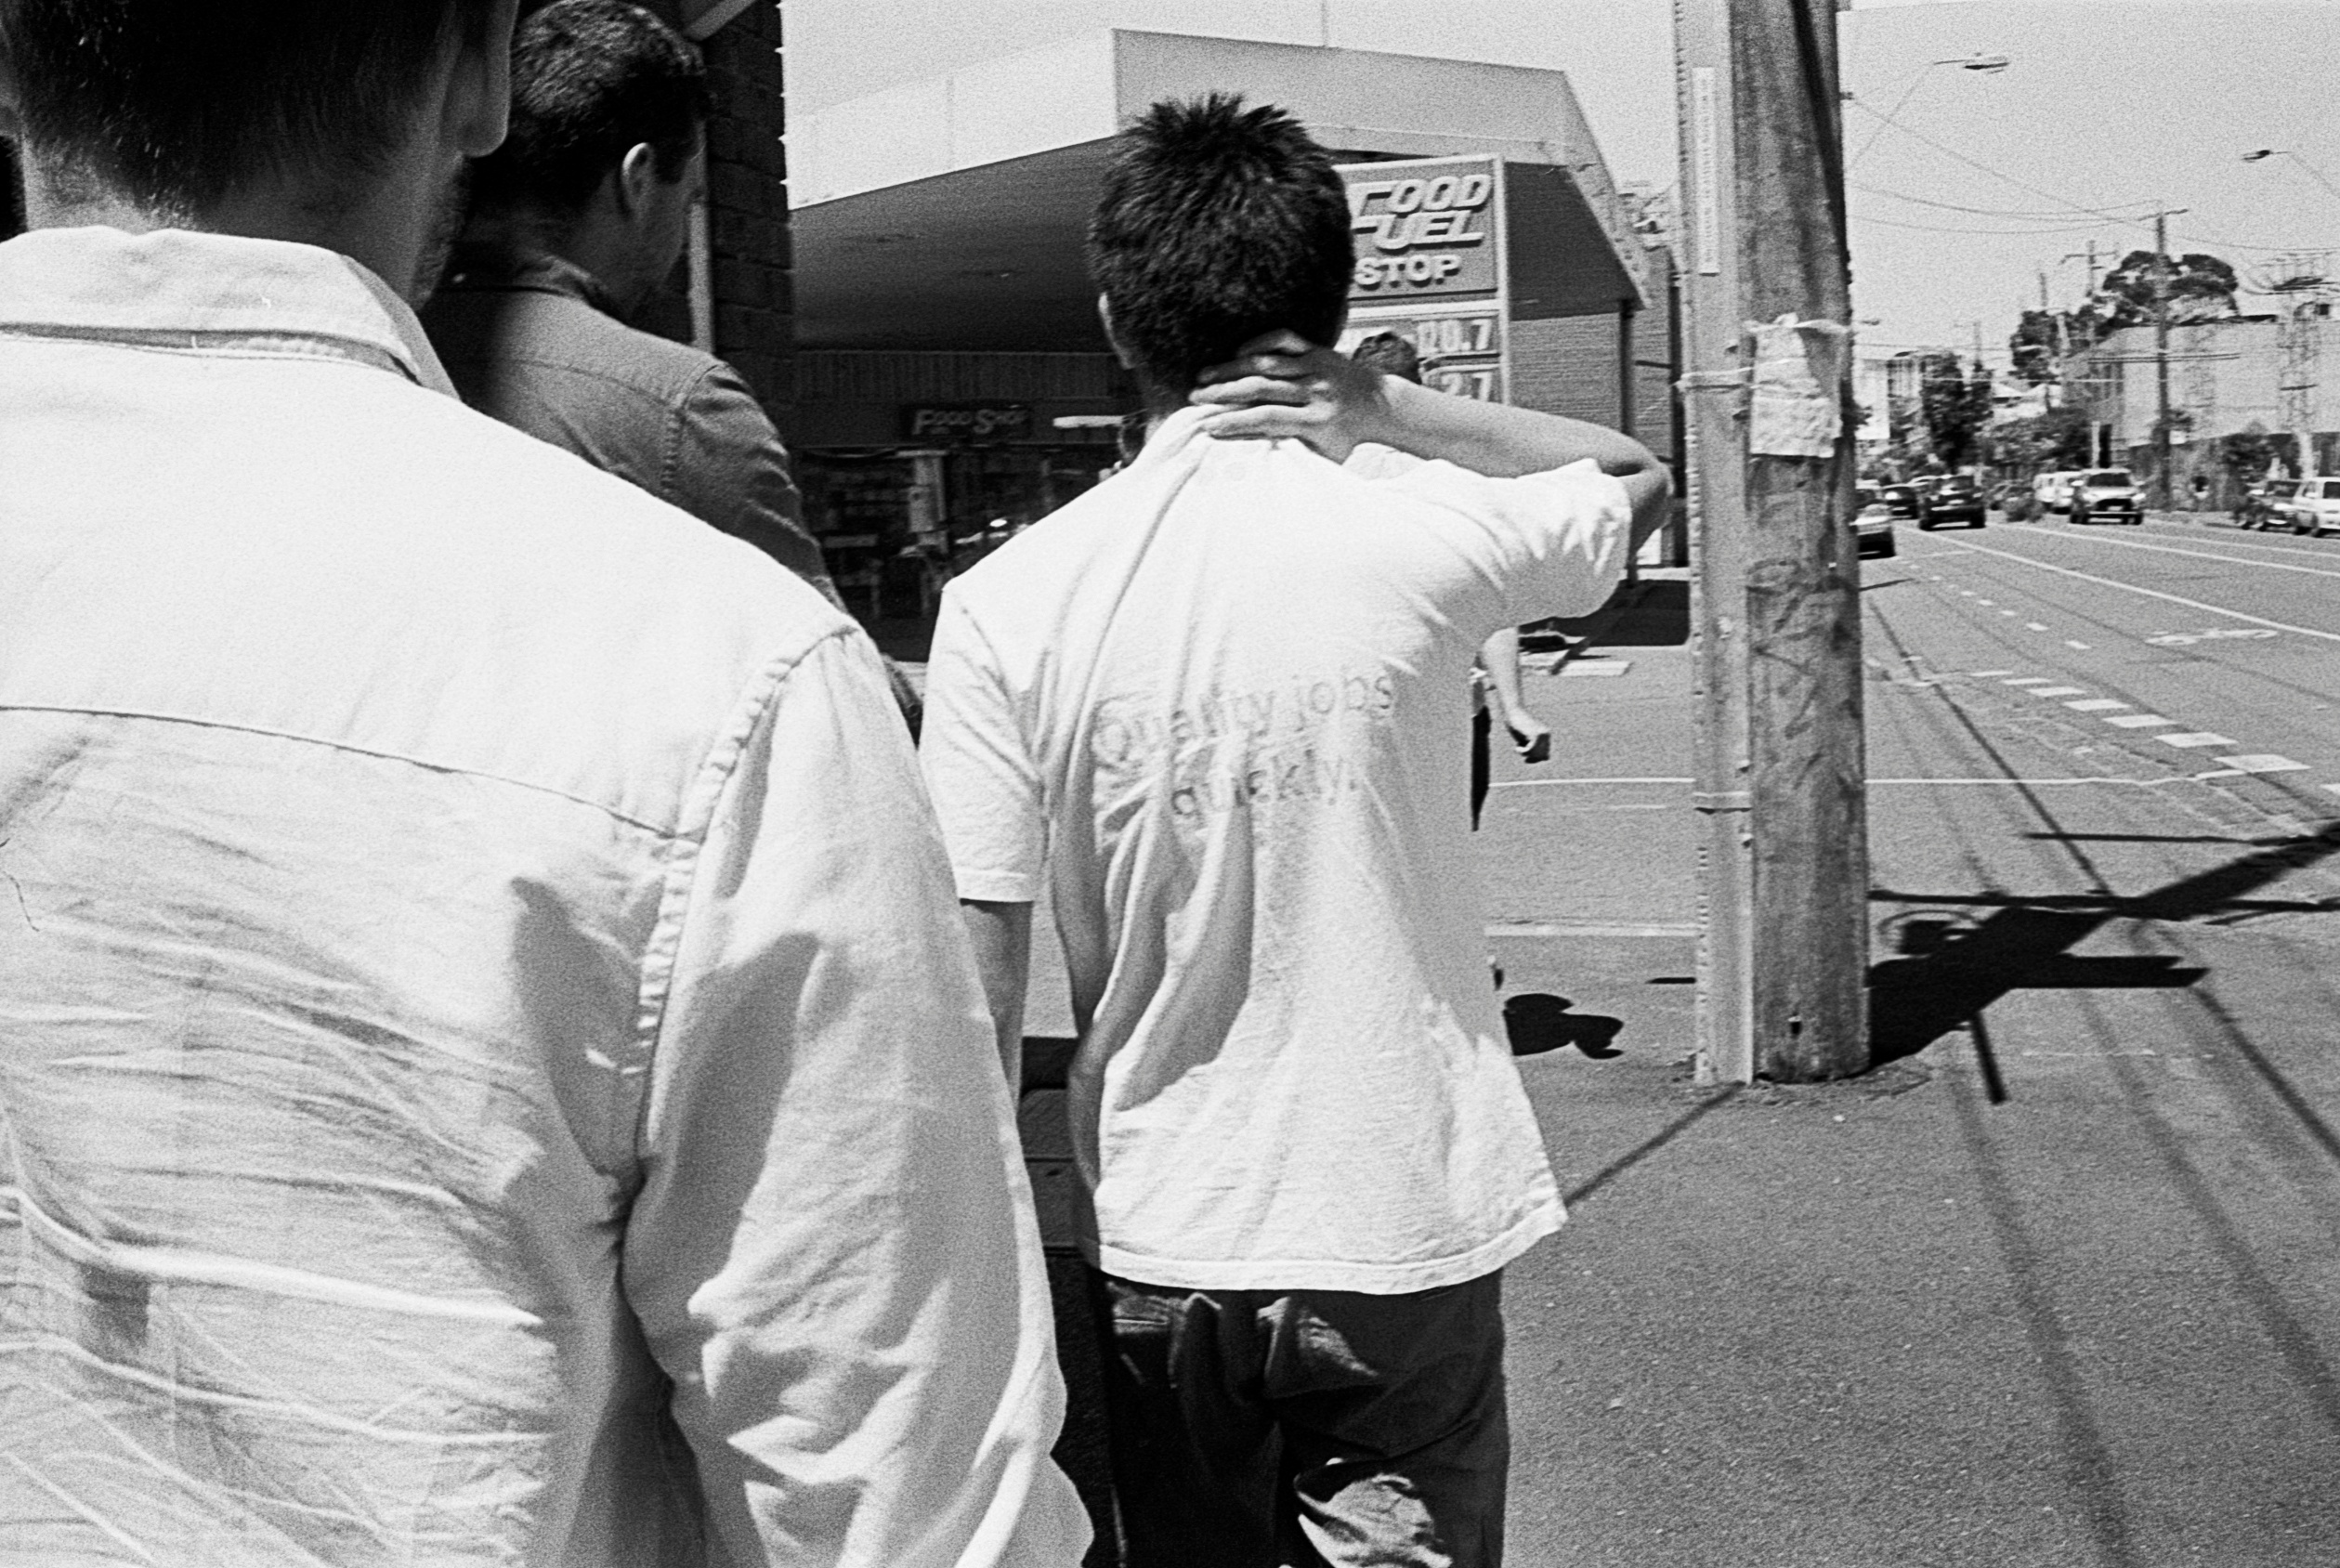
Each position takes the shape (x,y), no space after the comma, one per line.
(2061,1290)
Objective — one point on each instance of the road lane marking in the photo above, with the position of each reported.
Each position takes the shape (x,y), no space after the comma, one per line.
(1590,928)
(2138,721)
(2095,704)
(2194,737)
(1524,783)
(2033,626)
(2197,554)
(2157,594)
(2030,680)
(2082,646)
(1987,675)
(2263,761)
(2057,691)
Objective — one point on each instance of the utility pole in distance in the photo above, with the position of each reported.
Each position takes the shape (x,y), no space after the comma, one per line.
(1784,852)
(2160,355)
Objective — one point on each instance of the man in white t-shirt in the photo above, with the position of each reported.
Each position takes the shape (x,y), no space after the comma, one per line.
(1220,701)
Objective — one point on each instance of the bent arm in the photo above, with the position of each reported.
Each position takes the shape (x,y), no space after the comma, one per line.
(1284,386)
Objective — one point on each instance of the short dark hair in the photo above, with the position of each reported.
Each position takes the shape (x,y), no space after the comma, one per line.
(177,103)
(590,79)
(1218,223)
(1390,354)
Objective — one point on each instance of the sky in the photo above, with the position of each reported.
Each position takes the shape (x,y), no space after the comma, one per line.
(1981,182)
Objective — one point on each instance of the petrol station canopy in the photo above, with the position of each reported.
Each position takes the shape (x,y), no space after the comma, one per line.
(948,214)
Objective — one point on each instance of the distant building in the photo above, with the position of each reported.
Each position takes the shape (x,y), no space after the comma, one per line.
(2225,378)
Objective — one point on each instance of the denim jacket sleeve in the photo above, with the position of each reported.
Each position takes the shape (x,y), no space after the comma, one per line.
(725,467)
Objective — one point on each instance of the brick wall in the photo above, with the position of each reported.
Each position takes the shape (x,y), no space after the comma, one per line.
(747,197)
(1568,365)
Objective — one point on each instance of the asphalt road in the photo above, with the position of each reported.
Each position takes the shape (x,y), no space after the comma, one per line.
(2056,1284)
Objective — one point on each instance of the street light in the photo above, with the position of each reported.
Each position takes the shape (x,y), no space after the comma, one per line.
(1987,64)
(2316,173)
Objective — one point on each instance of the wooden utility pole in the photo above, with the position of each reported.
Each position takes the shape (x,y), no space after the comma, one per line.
(1784,851)
(2161,355)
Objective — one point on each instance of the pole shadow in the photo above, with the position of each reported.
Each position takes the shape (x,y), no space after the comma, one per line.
(1951,967)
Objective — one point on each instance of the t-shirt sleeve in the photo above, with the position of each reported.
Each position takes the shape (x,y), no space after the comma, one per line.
(1553,544)
(980,769)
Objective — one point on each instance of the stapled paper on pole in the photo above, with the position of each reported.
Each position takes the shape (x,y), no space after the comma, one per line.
(1797,408)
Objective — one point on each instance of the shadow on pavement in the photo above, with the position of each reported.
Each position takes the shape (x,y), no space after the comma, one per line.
(1952,967)
(1537,1022)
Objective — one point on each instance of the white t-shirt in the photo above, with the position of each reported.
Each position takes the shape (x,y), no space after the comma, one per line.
(1222,696)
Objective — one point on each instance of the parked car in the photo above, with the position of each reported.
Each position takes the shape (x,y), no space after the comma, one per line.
(1902,501)
(2315,508)
(1954,500)
(2106,495)
(2266,504)
(2052,492)
(1873,524)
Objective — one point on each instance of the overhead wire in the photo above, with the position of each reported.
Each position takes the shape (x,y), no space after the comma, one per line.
(2106,215)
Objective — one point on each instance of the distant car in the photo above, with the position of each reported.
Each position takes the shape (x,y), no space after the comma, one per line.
(2052,492)
(2315,508)
(1951,501)
(2266,504)
(1902,501)
(1873,525)
(2106,495)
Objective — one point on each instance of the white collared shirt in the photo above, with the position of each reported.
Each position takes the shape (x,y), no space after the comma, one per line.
(1222,699)
(490,1069)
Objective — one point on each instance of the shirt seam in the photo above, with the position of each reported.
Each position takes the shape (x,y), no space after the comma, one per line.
(677,421)
(679,855)
(386,363)
(661,830)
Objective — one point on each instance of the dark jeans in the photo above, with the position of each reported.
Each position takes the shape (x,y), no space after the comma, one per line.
(1258,1427)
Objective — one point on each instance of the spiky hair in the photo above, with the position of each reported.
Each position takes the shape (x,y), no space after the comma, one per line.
(1218,223)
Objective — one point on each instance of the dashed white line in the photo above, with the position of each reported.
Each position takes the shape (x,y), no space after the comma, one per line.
(2263,761)
(2203,555)
(2095,705)
(2028,680)
(1986,674)
(2138,721)
(2033,626)
(2156,594)
(2056,691)
(2194,737)
(2082,646)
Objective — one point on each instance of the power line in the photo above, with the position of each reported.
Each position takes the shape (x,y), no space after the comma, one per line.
(1995,233)
(2063,201)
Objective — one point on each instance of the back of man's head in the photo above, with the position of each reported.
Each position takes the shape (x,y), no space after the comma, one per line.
(592,79)
(176,105)
(1218,223)
(1390,354)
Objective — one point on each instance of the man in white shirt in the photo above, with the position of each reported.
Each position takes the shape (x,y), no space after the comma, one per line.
(490,1068)
(1219,703)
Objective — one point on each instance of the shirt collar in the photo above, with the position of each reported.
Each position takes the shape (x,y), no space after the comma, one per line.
(490,265)
(181,288)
